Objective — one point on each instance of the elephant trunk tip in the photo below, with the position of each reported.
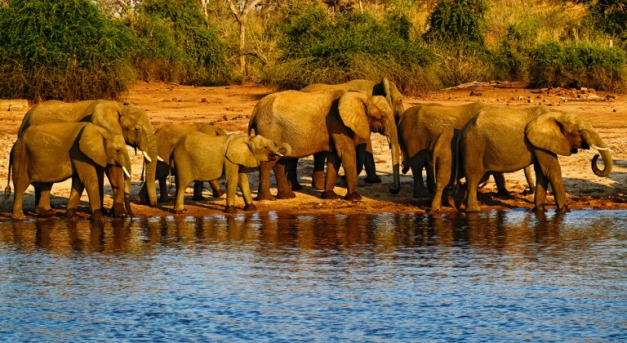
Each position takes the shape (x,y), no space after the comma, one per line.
(605,172)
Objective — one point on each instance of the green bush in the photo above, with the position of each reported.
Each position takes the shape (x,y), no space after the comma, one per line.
(177,45)
(580,65)
(62,50)
(319,48)
(457,23)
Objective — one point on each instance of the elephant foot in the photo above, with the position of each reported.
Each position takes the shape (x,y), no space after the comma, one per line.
(502,193)
(230,209)
(317,181)
(44,213)
(539,209)
(528,191)
(329,195)
(250,207)
(286,195)
(355,196)
(198,198)
(18,217)
(218,193)
(165,199)
(473,209)
(70,213)
(119,211)
(405,167)
(179,210)
(97,216)
(296,186)
(265,196)
(373,179)
(563,209)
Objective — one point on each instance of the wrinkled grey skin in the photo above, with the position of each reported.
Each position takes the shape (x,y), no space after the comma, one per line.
(365,158)
(334,122)
(167,138)
(505,139)
(127,120)
(419,128)
(49,153)
(200,157)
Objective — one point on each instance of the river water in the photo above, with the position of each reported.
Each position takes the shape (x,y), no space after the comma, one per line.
(492,277)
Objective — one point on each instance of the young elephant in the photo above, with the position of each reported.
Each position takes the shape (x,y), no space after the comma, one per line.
(505,139)
(49,153)
(167,138)
(200,157)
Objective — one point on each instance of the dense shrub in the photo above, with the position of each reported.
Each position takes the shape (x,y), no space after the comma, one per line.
(319,48)
(177,45)
(588,65)
(457,23)
(62,50)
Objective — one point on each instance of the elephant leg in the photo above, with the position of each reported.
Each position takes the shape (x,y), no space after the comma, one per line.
(215,188)
(244,186)
(530,182)
(371,170)
(553,172)
(443,173)
(75,197)
(264,181)
(95,204)
(284,188)
(179,201)
(20,184)
(417,163)
(472,184)
(317,179)
(291,166)
(333,165)
(232,176)
(198,187)
(43,208)
(116,179)
(501,187)
(541,188)
(163,190)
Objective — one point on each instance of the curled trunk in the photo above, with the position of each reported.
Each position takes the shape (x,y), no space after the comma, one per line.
(594,141)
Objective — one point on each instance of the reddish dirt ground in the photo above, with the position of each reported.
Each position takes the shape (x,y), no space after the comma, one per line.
(229,107)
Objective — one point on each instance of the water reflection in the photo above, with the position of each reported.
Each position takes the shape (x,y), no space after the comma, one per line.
(511,231)
(494,277)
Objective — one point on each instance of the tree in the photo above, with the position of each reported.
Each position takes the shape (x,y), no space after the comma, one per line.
(241,12)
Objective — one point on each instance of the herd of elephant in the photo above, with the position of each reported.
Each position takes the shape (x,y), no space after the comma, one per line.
(87,140)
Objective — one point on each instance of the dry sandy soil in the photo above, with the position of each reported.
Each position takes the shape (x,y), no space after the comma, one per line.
(229,107)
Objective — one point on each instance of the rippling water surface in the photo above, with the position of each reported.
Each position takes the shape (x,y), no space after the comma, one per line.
(497,276)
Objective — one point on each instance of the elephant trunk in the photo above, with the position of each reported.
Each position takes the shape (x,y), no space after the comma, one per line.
(392,133)
(594,140)
(151,171)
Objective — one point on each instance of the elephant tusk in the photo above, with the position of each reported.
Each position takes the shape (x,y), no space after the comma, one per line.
(160,159)
(599,148)
(128,175)
(147,157)
(279,154)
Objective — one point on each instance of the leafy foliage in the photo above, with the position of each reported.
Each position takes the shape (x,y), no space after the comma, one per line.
(457,23)
(320,48)
(62,50)
(177,45)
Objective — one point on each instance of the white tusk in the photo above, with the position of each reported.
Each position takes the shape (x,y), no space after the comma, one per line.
(128,175)
(160,159)
(279,154)
(147,157)
(599,148)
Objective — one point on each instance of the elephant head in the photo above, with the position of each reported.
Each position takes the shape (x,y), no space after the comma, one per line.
(363,114)
(563,133)
(250,151)
(139,133)
(392,95)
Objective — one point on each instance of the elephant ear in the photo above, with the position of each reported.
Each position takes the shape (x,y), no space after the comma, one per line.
(91,142)
(239,150)
(546,132)
(352,108)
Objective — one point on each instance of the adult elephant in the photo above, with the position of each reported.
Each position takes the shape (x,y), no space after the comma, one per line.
(505,139)
(419,128)
(49,153)
(335,122)
(384,88)
(125,119)
(167,137)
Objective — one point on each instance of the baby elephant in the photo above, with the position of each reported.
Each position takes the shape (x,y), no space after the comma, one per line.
(199,157)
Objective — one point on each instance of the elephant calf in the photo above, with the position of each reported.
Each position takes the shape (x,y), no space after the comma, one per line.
(49,153)
(167,138)
(200,157)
